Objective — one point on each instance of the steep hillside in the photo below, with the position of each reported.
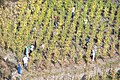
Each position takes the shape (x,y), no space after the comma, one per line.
(62,30)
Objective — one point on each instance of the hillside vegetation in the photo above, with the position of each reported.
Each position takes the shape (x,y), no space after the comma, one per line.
(23,22)
(26,22)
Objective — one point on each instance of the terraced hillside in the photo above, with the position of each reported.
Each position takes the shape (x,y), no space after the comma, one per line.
(25,22)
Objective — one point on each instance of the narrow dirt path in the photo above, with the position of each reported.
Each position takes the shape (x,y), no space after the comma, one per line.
(74,71)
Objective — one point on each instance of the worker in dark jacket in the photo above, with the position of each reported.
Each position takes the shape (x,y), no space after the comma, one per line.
(56,21)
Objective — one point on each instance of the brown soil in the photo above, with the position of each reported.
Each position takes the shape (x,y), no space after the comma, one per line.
(73,71)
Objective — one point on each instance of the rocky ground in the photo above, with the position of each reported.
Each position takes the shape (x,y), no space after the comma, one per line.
(74,71)
(8,64)
(8,69)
